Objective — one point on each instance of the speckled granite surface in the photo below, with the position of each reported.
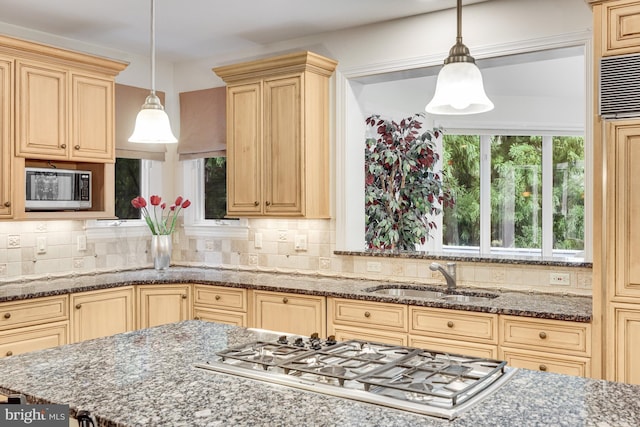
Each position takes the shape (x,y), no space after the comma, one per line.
(146,378)
(548,306)
(467,257)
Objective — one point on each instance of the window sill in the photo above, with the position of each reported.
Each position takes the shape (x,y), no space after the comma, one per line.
(218,229)
(108,229)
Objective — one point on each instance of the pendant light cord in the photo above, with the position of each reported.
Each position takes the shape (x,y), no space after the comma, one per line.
(153,47)
(459,38)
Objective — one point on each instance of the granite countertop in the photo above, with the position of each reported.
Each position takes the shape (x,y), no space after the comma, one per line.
(539,305)
(146,378)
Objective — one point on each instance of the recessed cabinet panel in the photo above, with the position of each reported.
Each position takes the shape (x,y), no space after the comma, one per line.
(546,362)
(626,343)
(622,21)
(101,313)
(32,338)
(33,311)
(41,111)
(290,313)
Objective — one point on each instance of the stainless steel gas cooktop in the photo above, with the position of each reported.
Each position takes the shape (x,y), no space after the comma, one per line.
(423,381)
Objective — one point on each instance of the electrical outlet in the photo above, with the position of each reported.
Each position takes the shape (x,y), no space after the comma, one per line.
(81,242)
(560,279)
(301,242)
(41,245)
(374,267)
(257,241)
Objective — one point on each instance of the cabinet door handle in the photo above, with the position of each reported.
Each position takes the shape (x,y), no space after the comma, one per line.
(543,368)
(256,203)
(450,324)
(7,315)
(285,300)
(78,306)
(9,353)
(268,203)
(218,297)
(184,297)
(77,147)
(7,204)
(542,335)
(63,145)
(196,318)
(367,314)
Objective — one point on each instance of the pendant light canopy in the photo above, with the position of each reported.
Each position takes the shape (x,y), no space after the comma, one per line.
(459,89)
(152,122)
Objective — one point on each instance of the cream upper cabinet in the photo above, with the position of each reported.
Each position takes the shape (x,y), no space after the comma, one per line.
(6,136)
(290,313)
(619,24)
(96,314)
(63,115)
(160,304)
(278,136)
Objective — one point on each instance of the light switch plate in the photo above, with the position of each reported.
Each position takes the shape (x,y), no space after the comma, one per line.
(41,245)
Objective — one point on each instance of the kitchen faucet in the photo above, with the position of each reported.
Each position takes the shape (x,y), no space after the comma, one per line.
(449,274)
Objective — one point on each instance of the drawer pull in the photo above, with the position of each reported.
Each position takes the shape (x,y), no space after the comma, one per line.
(77,147)
(9,353)
(218,297)
(184,297)
(78,306)
(542,335)
(7,315)
(196,318)
(7,204)
(285,300)
(450,324)
(268,203)
(63,145)
(543,368)
(367,314)
(256,203)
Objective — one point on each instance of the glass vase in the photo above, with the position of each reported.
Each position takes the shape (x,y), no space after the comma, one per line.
(161,251)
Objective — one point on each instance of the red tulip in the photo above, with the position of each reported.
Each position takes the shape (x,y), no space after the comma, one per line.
(138,202)
(135,203)
(179,201)
(186,204)
(155,200)
(142,201)
(164,205)
(173,208)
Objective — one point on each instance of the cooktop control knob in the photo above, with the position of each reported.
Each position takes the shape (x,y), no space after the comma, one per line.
(283,340)
(299,342)
(331,340)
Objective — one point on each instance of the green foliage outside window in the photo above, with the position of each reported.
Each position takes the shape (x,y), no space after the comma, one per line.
(127,186)
(215,187)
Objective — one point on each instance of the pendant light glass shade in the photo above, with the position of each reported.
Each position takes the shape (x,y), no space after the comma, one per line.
(152,123)
(459,88)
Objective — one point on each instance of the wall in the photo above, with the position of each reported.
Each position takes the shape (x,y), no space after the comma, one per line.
(425,40)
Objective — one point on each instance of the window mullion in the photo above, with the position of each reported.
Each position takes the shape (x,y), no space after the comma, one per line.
(547,196)
(485,194)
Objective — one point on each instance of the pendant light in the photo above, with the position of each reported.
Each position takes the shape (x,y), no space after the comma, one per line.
(152,122)
(459,89)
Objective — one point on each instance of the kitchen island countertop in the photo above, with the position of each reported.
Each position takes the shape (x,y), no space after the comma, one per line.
(146,378)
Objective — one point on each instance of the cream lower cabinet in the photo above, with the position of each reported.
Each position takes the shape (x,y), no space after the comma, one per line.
(33,324)
(96,314)
(220,304)
(160,304)
(546,345)
(368,321)
(626,343)
(290,313)
(454,331)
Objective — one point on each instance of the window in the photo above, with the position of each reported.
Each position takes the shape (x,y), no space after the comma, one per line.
(127,186)
(515,194)
(215,187)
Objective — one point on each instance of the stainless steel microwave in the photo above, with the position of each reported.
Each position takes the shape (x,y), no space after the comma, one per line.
(57,189)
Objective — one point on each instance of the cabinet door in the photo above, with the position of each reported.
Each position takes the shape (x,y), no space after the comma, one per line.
(102,313)
(621,23)
(41,111)
(283,146)
(290,313)
(626,137)
(32,338)
(626,343)
(162,304)
(6,132)
(92,119)
(244,149)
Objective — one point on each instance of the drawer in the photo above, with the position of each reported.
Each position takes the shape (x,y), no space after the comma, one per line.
(33,311)
(547,362)
(234,299)
(368,314)
(621,27)
(546,335)
(454,324)
(344,333)
(487,351)
(228,317)
(32,338)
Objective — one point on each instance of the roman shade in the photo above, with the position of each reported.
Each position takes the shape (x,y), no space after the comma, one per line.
(203,127)
(128,102)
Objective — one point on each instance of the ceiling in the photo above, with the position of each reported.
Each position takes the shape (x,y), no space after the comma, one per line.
(193,29)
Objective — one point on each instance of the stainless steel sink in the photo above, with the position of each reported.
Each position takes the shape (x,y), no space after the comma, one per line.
(405,291)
